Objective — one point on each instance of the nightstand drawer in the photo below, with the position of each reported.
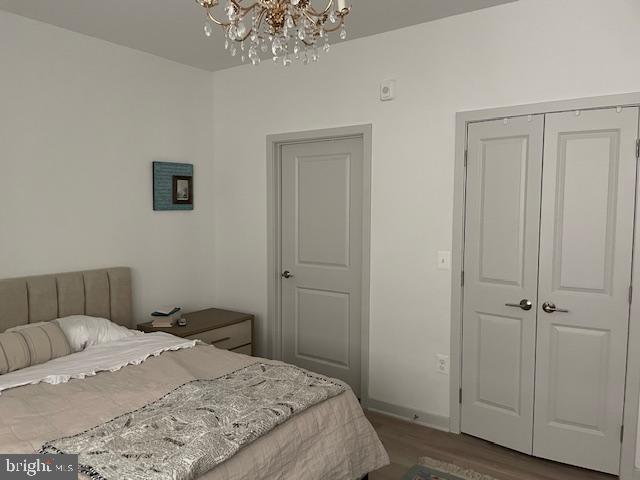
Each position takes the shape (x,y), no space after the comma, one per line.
(246,350)
(227,338)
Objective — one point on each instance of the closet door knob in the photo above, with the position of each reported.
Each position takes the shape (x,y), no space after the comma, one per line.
(551,308)
(524,304)
(287,274)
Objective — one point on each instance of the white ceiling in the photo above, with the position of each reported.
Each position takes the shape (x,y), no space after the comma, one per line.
(173,28)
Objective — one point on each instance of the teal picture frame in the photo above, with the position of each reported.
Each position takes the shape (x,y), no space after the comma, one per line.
(166,176)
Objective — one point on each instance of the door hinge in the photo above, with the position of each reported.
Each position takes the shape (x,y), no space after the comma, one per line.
(630,294)
(466,157)
(621,433)
(462,278)
(637,148)
(460,396)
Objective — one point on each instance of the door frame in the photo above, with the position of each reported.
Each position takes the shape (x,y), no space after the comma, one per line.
(274,235)
(628,470)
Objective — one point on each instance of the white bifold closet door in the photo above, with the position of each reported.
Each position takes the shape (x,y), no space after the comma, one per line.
(586,242)
(549,231)
(501,267)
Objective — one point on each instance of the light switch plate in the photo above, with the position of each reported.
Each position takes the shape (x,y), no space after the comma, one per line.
(444,260)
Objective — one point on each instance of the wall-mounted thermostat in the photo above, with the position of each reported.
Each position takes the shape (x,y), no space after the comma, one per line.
(388,90)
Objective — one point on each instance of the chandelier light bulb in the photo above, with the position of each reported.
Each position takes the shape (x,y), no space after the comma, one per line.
(287,29)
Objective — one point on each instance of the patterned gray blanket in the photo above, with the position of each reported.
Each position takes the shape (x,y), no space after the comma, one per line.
(199,425)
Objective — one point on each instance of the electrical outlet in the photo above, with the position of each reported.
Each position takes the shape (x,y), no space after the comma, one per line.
(442,364)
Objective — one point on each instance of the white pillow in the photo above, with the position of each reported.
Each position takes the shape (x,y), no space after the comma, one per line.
(83,331)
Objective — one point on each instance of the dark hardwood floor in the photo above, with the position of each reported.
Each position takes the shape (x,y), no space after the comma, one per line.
(406,441)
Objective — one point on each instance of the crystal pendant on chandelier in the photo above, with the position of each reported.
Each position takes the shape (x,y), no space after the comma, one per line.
(208,29)
(232,32)
(287,28)
(276,47)
(241,30)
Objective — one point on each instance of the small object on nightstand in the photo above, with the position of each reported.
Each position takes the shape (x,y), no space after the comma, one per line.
(165,311)
(221,328)
(182,322)
(164,322)
(165,317)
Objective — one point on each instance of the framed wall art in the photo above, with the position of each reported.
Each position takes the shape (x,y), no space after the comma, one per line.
(172,186)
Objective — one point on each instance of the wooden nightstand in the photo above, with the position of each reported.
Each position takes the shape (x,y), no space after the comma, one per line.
(221,328)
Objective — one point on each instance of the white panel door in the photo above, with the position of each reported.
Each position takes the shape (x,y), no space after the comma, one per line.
(586,244)
(501,270)
(322,186)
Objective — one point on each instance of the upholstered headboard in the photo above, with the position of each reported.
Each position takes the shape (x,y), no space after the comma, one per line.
(98,293)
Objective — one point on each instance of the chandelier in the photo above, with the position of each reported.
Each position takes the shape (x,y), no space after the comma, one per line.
(285,29)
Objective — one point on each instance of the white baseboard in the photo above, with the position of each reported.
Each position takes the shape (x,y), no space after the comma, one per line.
(439,422)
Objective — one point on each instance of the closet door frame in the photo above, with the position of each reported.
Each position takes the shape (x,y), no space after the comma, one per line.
(632,388)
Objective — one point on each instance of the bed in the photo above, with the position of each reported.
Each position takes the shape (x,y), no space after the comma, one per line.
(330,440)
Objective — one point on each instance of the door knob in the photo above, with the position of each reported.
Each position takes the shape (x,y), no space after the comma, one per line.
(287,274)
(551,307)
(524,304)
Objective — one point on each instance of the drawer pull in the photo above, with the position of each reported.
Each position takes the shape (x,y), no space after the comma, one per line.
(221,340)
